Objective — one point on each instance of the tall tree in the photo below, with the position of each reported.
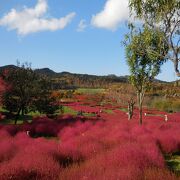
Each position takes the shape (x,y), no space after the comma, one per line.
(22,83)
(143,49)
(27,92)
(165,16)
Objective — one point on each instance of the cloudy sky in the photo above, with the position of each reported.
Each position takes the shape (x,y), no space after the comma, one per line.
(81,36)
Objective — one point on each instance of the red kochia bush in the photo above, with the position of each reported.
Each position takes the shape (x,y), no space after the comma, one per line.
(11,129)
(30,166)
(168,144)
(158,174)
(128,161)
(109,149)
(26,158)
(4,134)
(7,151)
(168,137)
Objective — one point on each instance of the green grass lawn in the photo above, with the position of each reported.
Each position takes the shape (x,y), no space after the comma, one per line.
(68,110)
(108,111)
(161,115)
(89,114)
(123,109)
(90,90)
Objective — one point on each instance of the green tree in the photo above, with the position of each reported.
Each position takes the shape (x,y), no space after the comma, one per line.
(165,16)
(27,92)
(143,49)
(22,83)
(46,102)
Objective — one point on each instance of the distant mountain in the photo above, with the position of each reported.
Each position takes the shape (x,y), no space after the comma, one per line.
(49,72)
(46,71)
(71,80)
(111,77)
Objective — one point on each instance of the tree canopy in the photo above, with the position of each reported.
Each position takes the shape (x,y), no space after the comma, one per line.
(165,16)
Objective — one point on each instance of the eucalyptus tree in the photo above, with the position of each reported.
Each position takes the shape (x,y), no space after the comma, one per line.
(165,16)
(144,49)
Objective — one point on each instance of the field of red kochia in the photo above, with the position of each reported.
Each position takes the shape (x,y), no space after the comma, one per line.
(108,147)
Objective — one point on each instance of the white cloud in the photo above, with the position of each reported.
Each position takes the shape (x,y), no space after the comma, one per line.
(82,25)
(31,20)
(114,13)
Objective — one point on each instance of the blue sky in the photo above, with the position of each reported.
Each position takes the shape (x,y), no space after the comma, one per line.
(87,39)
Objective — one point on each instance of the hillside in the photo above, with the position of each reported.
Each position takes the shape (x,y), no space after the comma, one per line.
(72,80)
(67,80)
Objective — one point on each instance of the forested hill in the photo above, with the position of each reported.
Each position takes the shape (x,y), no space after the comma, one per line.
(71,80)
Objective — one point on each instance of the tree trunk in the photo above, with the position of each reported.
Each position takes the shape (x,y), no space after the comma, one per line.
(176,67)
(17,116)
(140,100)
(23,109)
(140,113)
(130,109)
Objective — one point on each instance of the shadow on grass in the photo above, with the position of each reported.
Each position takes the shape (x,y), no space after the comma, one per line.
(173,162)
(10,118)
